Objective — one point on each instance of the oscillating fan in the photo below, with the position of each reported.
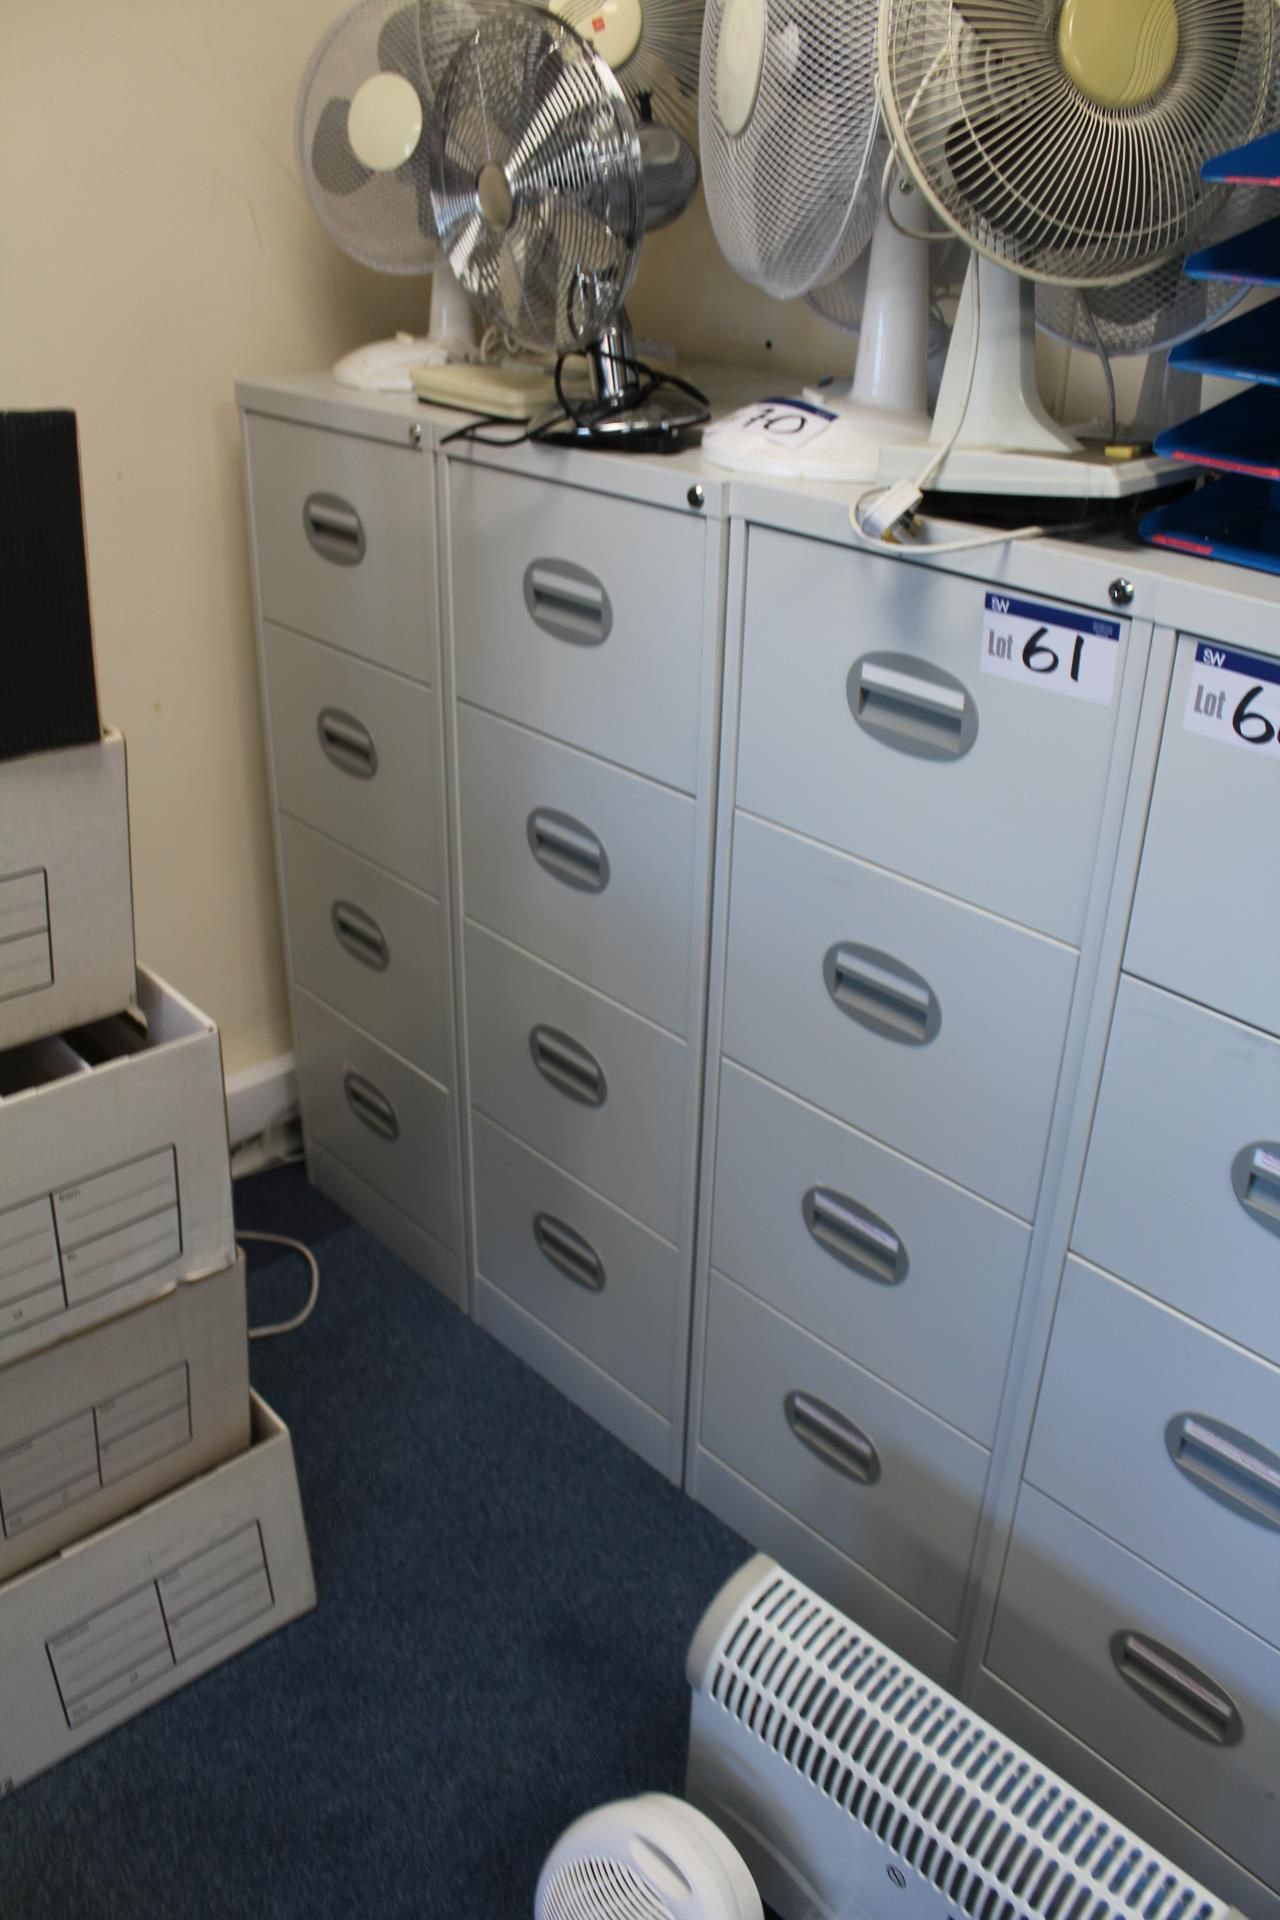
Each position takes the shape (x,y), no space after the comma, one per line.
(652,1858)
(543,188)
(1064,142)
(362,133)
(851,1784)
(653,47)
(793,163)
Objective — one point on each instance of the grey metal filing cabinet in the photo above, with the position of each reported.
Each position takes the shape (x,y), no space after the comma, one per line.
(919,819)
(584,612)
(343,529)
(1135,1638)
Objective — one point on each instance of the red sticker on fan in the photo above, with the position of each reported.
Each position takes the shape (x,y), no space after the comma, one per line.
(597,25)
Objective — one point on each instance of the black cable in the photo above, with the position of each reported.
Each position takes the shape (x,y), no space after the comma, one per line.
(473,430)
(585,414)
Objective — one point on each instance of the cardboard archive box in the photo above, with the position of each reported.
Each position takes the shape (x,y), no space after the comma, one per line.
(66,890)
(98,1424)
(130,1614)
(115,1178)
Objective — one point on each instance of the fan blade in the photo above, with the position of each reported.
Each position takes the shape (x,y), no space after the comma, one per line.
(332,161)
(398,48)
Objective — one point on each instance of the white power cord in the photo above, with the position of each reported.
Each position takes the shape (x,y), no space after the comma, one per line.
(305,1313)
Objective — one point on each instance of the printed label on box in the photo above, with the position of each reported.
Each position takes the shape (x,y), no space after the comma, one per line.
(107,1230)
(122,1648)
(26,954)
(52,1470)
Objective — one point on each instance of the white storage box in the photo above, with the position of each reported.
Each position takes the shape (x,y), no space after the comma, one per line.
(114,1173)
(66,894)
(98,1424)
(131,1614)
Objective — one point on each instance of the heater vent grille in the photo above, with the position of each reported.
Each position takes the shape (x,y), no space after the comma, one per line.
(963,1809)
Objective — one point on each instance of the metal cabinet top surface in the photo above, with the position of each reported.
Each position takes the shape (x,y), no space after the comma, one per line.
(1170,589)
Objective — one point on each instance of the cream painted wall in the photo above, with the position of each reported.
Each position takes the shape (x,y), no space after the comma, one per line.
(155,244)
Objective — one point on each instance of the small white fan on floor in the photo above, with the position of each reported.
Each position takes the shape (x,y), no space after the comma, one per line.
(362,132)
(652,1858)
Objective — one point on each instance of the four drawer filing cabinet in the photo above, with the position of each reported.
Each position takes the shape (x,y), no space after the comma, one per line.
(823,1013)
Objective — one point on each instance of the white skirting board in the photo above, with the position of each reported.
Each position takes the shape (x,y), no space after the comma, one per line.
(258,1095)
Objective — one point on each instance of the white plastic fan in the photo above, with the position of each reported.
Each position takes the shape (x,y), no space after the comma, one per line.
(1064,143)
(652,1858)
(543,188)
(792,163)
(362,132)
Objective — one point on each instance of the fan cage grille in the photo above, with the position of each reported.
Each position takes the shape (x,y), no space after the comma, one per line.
(962,1808)
(792,198)
(664,65)
(1031,170)
(383,220)
(586,1889)
(526,95)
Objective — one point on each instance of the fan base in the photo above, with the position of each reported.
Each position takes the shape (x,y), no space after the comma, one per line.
(849,446)
(659,424)
(981,472)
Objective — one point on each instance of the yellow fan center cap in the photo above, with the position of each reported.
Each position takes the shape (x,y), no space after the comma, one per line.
(613,27)
(384,122)
(1119,52)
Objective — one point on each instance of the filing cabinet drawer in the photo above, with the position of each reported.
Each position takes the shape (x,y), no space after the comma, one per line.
(1181,1190)
(1167,1438)
(587,866)
(1206,916)
(380,1117)
(356,754)
(592,1275)
(1164,1687)
(599,1091)
(372,947)
(889,1485)
(882,734)
(936,1028)
(581,616)
(899,1270)
(345,542)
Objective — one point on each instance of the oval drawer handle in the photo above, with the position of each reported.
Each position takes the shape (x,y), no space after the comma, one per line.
(567,602)
(569,1068)
(1227,1465)
(360,934)
(347,742)
(1176,1689)
(912,706)
(569,1251)
(370,1107)
(568,850)
(880,993)
(855,1236)
(834,1438)
(334,529)
(1255,1178)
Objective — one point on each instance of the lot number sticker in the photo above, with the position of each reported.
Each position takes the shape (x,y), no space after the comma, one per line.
(782,423)
(1235,698)
(1047,647)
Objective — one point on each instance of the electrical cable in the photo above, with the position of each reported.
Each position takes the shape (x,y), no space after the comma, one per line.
(919,485)
(1105,358)
(585,414)
(306,1311)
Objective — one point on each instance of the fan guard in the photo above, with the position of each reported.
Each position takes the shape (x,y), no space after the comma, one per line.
(1045,177)
(653,47)
(537,185)
(651,1858)
(383,218)
(788,120)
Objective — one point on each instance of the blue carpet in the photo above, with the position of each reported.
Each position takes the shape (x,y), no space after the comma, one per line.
(506,1595)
